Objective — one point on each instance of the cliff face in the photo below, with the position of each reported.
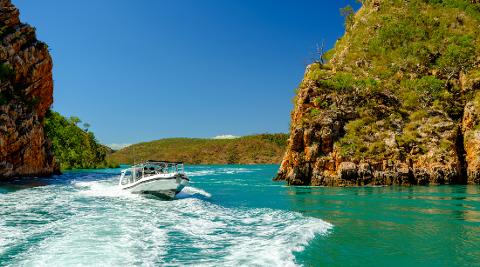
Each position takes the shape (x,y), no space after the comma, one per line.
(397,101)
(26,88)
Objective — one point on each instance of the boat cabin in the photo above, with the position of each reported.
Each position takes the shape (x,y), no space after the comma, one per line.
(150,168)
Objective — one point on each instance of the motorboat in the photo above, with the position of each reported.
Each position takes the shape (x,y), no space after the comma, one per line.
(161,178)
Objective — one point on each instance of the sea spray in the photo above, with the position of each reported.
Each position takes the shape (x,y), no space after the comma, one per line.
(90,221)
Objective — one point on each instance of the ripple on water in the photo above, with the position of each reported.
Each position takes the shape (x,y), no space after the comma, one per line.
(94,223)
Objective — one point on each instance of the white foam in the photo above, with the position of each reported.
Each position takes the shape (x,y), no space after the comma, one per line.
(262,237)
(199,173)
(102,189)
(190,191)
(89,223)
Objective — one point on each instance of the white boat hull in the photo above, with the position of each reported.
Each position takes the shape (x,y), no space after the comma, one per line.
(163,185)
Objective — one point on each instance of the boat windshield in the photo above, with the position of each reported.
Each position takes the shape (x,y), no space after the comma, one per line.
(162,167)
(149,168)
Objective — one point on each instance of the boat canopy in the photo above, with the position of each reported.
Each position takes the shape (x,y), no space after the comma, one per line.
(163,166)
(149,168)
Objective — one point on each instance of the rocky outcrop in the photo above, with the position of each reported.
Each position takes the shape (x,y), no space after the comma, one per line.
(26,89)
(471,133)
(379,114)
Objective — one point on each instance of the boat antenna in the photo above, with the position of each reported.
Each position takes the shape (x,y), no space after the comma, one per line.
(133,147)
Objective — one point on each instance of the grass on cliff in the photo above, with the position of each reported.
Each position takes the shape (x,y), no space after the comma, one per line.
(254,149)
(73,147)
(6,72)
(403,61)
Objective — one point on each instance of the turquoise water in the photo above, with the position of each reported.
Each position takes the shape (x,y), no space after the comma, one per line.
(235,215)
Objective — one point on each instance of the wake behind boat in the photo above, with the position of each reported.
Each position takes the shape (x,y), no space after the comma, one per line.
(160,178)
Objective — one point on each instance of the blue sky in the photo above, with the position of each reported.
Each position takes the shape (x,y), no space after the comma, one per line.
(144,70)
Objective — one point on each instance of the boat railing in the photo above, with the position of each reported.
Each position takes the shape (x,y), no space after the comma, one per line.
(169,167)
(149,168)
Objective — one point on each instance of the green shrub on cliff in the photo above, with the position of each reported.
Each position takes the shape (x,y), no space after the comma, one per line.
(348,13)
(316,72)
(468,6)
(341,82)
(3,99)
(420,93)
(6,72)
(458,56)
(73,147)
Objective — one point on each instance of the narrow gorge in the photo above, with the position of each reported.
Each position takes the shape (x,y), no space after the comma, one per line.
(26,94)
(396,101)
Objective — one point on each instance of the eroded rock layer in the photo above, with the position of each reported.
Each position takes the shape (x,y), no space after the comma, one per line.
(395,102)
(26,88)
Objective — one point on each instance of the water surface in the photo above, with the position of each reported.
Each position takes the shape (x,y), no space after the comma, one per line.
(235,215)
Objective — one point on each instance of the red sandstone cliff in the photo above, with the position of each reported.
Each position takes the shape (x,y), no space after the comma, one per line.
(397,103)
(26,89)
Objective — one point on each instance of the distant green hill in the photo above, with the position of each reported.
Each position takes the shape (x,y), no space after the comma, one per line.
(262,148)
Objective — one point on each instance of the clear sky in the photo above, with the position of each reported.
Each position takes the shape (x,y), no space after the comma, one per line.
(145,70)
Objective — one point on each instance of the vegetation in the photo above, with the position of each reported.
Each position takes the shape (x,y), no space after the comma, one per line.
(403,66)
(73,147)
(6,72)
(260,149)
(348,13)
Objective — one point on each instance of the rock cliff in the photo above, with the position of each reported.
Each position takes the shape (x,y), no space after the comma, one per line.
(397,101)
(26,88)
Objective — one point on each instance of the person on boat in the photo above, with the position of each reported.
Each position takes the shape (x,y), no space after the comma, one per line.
(149,170)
